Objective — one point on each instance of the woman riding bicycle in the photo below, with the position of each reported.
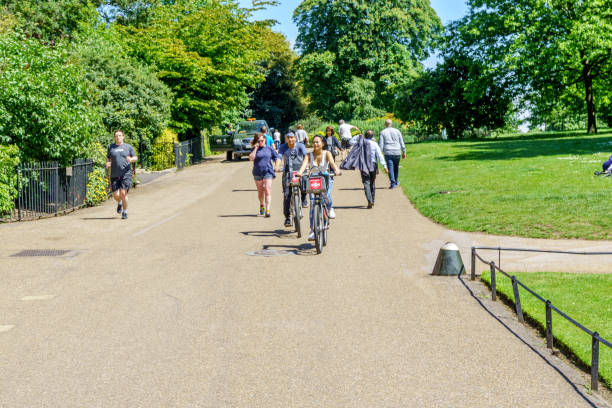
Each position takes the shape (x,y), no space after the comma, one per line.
(322,159)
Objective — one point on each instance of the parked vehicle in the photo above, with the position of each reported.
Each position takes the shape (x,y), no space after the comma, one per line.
(237,143)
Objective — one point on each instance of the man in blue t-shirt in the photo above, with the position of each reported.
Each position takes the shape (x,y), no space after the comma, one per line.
(292,154)
(119,158)
(269,139)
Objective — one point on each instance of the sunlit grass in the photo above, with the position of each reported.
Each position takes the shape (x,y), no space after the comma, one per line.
(583,297)
(535,186)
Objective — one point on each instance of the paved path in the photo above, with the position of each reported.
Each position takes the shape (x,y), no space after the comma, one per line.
(167,309)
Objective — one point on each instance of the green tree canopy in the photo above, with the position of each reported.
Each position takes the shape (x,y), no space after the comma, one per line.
(548,48)
(45,104)
(375,40)
(205,51)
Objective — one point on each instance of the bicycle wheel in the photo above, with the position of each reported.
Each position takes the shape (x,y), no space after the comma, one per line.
(325,225)
(317,227)
(297,209)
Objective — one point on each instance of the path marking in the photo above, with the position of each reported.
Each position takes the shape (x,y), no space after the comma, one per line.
(156,225)
(6,328)
(40,297)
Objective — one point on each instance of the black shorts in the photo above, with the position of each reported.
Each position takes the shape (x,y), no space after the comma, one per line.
(345,143)
(121,183)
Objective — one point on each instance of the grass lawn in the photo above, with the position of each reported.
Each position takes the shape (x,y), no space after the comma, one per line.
(539,185)
(583,297)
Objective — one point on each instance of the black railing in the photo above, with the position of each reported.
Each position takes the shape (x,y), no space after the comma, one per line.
(596,339)
(189,152)
(45,189)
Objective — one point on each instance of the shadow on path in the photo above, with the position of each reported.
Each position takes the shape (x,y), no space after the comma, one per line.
(279,233)
(238,190)
(565,377)
(237,215)
(304,249)
(102,218)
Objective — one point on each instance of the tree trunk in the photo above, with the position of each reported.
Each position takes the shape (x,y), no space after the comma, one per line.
(587,75)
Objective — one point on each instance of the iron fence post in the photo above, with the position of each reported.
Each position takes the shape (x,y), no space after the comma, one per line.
(176,155)
(19,191)
(517,300)
(493,289)
(473,276)
(595,362)
(549,335)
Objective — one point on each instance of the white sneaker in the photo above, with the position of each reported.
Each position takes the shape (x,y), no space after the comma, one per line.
(311,236)
(331,214)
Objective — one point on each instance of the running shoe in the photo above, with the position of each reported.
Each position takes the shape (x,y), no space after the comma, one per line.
(311,236)
(124,216)
(287,222)
(262,210)
(331,214)
(268,214)
(119,208)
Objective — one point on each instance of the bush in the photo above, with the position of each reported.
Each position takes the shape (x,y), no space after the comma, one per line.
(97,186)
(163,150)
(9,159)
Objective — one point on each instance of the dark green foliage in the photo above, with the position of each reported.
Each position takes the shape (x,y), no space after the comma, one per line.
(9,159)
(45,104)
(378,41)
(458,96)
(129,95)
(51,20)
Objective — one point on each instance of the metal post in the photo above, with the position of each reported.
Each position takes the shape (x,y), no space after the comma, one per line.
(473,276)
(549,335)
(19,191)
(493,289)
(595,362)
(517,300)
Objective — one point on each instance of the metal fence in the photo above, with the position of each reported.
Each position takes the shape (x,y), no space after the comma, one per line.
(189,152)
(549,307)
(45,188)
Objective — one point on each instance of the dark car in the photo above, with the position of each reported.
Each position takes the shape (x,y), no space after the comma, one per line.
(237,143)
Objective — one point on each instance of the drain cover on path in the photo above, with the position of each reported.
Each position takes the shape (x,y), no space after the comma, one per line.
(270,252)
(42,252)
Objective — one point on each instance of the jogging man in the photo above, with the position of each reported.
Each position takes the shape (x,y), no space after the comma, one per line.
(119,158)
(293,155)
(344,130)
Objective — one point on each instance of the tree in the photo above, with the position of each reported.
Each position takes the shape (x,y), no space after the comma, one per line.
(51,20)
(548,46)
(128,94)
(279,98)
(456,95)
(206,52)
(375,40)
(45,104)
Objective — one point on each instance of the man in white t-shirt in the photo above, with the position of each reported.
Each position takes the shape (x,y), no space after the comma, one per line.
(301,135)
(344,130)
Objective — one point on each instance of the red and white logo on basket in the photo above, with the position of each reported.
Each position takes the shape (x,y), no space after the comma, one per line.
(315,183)
(295,177)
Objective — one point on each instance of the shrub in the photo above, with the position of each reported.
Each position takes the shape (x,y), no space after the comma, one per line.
(97,187)
(9,159)
(163,150)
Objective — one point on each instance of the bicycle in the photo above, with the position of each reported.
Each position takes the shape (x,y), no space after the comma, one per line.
(295,203)
(316,184)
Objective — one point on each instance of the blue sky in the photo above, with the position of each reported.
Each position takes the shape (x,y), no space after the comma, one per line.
(448,10)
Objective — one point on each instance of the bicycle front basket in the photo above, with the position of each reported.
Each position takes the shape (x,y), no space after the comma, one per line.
(316,184)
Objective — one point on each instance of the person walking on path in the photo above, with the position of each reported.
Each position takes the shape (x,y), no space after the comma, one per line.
(263,157)
(344,130)
(368,176)
(324,160)
(292,154)
(301,135)
(331,143)
(269,139)
(277,138)
(393,148)
(119,158)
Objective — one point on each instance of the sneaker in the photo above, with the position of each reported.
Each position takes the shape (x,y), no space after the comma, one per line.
(331,214)
(370,205)
(311,236)
(268,214)
(287,222)
(124,216)
(305,204)
(119,208)
(262,210)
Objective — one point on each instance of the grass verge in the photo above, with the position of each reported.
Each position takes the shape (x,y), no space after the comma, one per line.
(583,297)
(539,185)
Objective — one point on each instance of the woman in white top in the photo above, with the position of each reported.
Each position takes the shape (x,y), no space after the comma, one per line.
(324,159)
